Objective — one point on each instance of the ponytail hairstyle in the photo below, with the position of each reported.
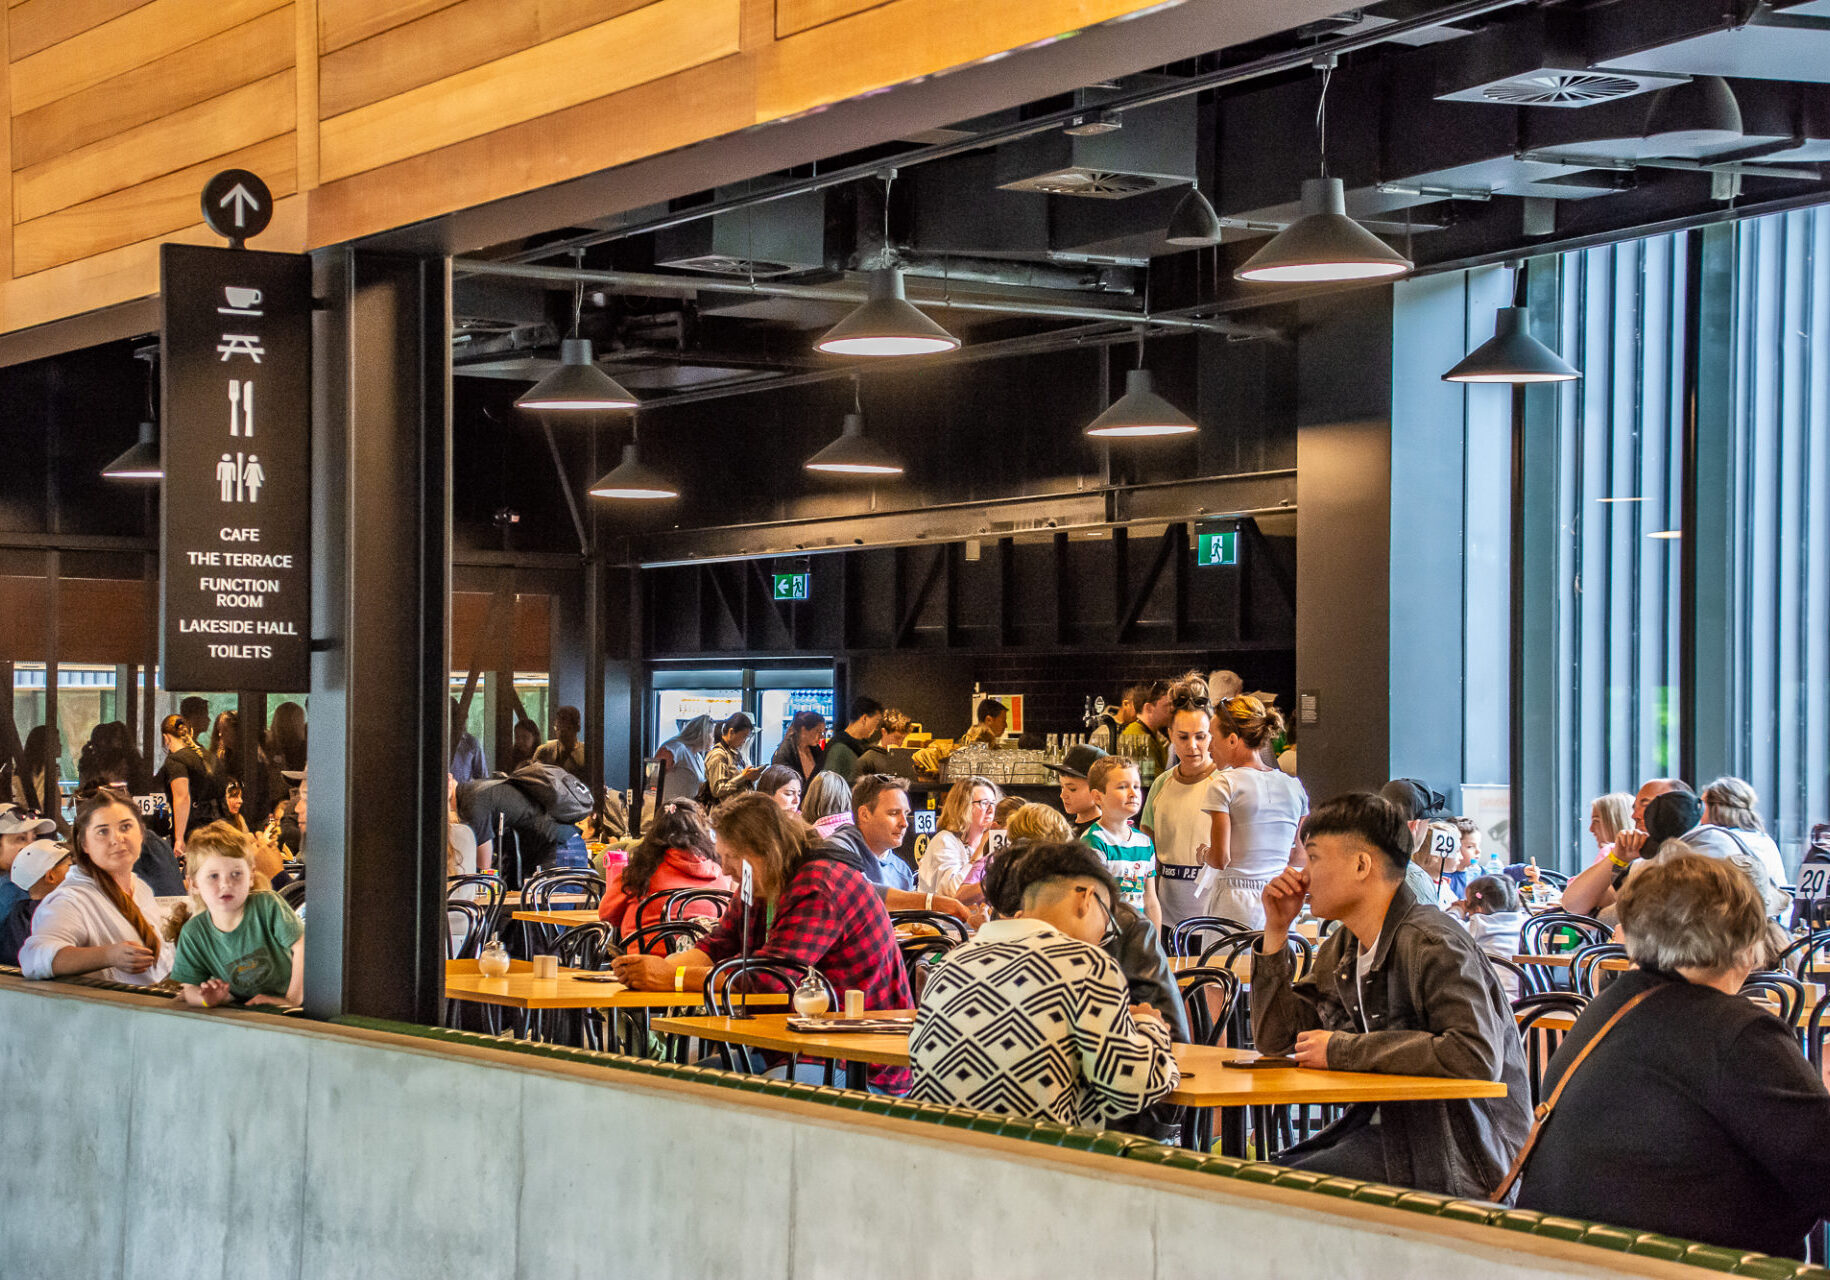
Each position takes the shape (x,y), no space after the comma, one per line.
(1251,720)
(176,726)
(119,898)
(1488,895)
(217,840)
(678,824)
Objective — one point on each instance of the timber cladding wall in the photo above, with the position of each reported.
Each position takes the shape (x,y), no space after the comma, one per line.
(364,115)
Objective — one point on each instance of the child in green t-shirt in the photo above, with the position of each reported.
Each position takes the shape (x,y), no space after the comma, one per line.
(1130,855)
(236,939)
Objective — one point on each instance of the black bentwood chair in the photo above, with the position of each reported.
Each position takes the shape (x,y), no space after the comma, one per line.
(678,900)
(1586,975)
(1541,1041)
(739,976)
(1190,937)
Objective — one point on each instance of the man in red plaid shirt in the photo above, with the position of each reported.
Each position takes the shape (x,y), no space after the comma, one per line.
(824,914)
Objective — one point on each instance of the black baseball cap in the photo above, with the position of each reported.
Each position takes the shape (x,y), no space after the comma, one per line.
(1415,800)
(1078,761)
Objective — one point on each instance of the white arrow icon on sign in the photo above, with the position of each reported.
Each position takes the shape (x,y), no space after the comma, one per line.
(244,202)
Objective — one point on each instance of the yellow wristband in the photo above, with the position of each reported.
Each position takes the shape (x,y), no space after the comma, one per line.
(680,978)
(1616,861)
(930,902)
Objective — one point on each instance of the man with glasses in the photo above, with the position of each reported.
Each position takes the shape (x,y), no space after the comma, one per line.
(1031,1018)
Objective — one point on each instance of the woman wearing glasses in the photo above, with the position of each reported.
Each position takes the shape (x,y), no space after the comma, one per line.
(952,856)
(1255,812)
(1175,814)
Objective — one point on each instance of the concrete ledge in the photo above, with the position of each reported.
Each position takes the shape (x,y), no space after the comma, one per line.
(148,1139)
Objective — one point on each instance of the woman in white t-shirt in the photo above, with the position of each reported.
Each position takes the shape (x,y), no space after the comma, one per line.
(1255,811)
(1175,814)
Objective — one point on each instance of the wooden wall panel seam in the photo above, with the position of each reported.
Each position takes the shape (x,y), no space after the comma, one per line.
(305,87)
(794,16)
(648,44)
(883,46)
(455,38)
(166,203)
(344,22)
(39,24)
(679,110)
(6,148)
(130,272)
(239,118)
(197,73)
(101,53)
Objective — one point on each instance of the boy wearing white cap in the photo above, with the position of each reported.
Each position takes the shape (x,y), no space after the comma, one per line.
(17,829)
(38,869)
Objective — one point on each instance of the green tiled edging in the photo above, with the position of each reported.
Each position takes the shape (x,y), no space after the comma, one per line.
(1546,1226)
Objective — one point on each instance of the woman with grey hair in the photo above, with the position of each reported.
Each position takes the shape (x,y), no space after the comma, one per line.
(1676,1104)
(1730,827)
(826,806)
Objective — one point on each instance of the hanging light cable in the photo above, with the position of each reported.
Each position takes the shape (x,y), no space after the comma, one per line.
(853,453)
(1323,244)
(1140,413)
(142,460)
(577,385)
(634,480)
(1512,355)
(886,323)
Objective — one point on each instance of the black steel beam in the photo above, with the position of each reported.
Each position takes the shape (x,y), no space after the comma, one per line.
(1248,493)
(381,568)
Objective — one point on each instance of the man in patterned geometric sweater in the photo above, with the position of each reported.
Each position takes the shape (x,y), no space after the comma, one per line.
(1032,1019)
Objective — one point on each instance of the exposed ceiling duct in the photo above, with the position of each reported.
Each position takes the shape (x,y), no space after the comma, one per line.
(1105,154)
(783,237)
(1539,59)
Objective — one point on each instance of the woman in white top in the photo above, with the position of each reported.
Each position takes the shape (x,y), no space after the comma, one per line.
(1255,812)
(968,812)
(102,919)
(1175,814)
(1731,826)
(684,754)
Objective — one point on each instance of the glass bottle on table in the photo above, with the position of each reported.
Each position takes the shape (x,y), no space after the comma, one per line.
(810,997)
(492,961)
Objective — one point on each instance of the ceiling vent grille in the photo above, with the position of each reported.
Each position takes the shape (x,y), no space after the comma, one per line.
(720,264)
(1562,89)
(1103,184)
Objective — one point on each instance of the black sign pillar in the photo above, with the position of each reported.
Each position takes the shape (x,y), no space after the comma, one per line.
(381,483)
(236,537)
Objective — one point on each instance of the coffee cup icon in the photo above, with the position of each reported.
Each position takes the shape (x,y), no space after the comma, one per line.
(242,298)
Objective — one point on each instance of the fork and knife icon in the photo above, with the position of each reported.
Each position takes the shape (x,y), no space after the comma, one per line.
(241,408)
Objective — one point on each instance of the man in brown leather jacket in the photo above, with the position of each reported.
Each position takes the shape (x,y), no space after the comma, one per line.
(1401,988)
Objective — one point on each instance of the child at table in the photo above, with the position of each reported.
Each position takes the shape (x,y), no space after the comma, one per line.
(1494,919)
(235,939)
(1129,854)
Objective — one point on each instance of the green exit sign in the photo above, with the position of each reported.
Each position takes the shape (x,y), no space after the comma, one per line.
(791,586)
(1217,548)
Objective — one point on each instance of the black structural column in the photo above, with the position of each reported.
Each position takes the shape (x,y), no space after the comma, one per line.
(381,544)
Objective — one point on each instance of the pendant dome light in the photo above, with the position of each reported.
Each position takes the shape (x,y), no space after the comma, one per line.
(1512,356)
(634,480)
(886,323)
(142,461)
(577,385)
(1140,414)
(853,453)
(1323,244)
(1194,224)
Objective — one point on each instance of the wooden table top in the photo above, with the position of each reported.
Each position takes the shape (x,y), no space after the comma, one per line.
(520,989)
(1561,960)
(587,915)
(1207,1078)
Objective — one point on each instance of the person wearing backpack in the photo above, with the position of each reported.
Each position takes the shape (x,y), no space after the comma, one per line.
(503,807)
